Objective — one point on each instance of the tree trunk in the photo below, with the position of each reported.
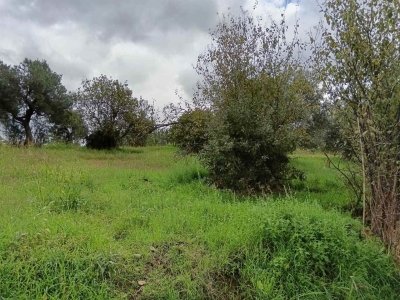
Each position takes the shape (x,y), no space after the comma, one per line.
(364,174)
(28,133)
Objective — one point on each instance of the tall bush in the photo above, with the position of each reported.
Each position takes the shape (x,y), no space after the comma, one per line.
(359,60)
(253,82)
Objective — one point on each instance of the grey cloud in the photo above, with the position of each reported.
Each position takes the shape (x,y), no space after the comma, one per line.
(72,72)
(7,55)
(126,19)
(188,79)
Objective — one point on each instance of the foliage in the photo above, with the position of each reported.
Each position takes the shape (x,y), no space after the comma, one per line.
(13,131)
(101,139)
(70,128)
(112,115)
(254,83)
(313,132)
(190,133)
(31,92)
(359,60)
(160,137)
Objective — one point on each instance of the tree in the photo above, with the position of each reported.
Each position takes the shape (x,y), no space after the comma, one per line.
(190,133)
(254,83)
(111,114)
(313,131)
(359,62)
(31,90)
(70,128)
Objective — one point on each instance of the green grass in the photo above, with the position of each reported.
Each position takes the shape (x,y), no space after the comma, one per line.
(142,224)
(323,184)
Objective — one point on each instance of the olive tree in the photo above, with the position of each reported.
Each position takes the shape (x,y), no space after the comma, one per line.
(31,92)
(111,114)
(359,62)
(253,81)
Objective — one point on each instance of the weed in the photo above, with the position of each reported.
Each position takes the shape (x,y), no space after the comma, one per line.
(60,190)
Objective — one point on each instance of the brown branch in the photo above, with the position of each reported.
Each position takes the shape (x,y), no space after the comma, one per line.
(158,126)
(350,180)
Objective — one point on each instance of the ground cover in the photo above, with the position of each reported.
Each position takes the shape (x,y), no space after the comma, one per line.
(142,223)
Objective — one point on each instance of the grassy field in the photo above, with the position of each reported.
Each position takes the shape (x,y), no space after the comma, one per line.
(143,224)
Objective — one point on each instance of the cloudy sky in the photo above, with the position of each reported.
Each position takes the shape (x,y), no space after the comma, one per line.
(152,44)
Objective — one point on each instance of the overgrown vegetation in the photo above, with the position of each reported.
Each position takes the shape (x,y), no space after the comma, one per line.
(141,223)
(305,252)
(145,223)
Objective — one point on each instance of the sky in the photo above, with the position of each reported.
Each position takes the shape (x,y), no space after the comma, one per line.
(151,44)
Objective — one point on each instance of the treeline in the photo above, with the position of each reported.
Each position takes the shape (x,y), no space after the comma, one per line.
(259,98)
(36,108)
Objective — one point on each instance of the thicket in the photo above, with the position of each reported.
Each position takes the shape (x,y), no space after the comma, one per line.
(260,100)
(303,251)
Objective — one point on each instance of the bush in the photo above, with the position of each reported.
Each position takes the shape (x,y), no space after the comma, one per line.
(305,252)
(101,140)
(258,93)
(190,134)
(248,143)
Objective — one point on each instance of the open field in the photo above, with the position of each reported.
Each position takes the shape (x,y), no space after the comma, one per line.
(142,224)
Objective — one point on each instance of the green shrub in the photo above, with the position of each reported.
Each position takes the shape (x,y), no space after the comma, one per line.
(258,93)
(102,140)
(248,145)
(306,252)
(190,134)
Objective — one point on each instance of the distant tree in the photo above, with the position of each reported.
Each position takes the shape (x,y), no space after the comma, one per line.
(70,128)
(28,91)
(317,130)
(190,133)
(145,125)
(159,137)
(112,115)
(253,82)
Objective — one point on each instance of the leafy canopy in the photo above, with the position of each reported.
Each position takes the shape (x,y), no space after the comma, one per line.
(111,114)
(31,91)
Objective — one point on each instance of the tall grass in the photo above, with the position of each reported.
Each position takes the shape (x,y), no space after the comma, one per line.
(143,224)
